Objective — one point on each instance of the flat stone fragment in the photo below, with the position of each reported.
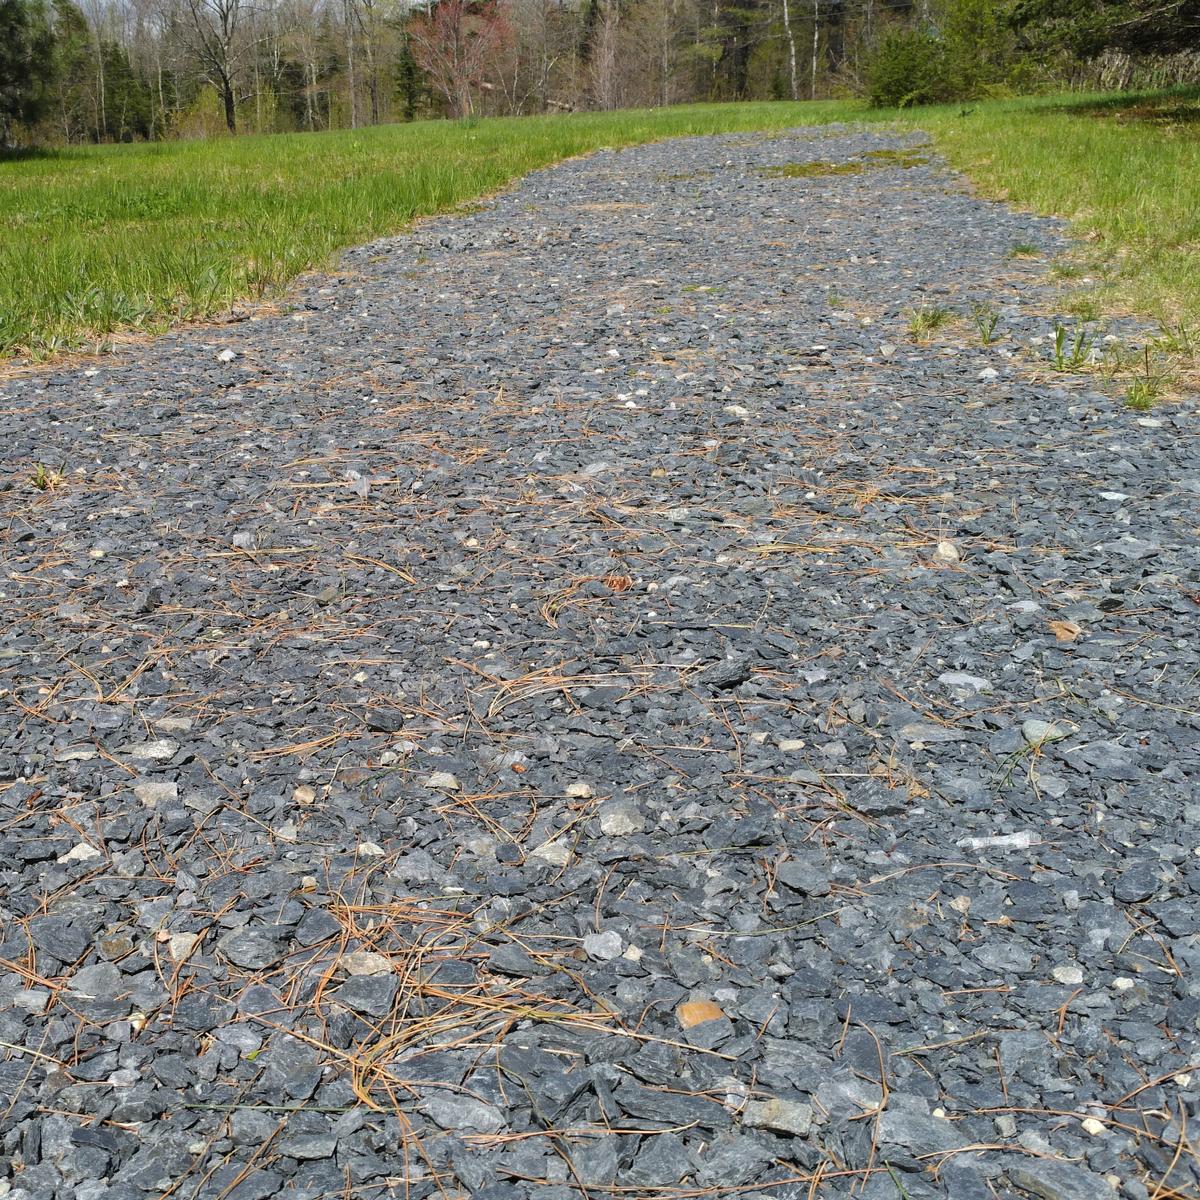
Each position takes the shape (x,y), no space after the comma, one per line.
(80,853)
(1140,882)
(1021,840)
(1037,732)
(925,731)
(308,1147)
(556,853)
(916,1133)
(877,799)
(181,945)
(462,1114)
(153,792)
(620,818)
(1061,1181)
(603,946)
(250,949)
(32,1000)
(663,1161)
(510,959)
(1068,974)
(726,674)
(370,994)
(101,979)
(963,686)
(790,1117)
(808,878)
(159,750)
(366,962)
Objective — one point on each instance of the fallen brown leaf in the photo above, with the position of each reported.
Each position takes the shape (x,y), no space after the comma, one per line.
(1066,631)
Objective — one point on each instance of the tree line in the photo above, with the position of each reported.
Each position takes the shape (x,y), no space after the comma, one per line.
(122,70)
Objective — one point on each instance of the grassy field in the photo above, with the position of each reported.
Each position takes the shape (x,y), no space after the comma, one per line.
(1124,169)
(100,239)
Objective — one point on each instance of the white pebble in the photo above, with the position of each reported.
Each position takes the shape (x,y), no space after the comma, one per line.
(81,853)
(603,946)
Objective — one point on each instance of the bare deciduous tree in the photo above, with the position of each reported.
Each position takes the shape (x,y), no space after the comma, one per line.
(456,46)
(211,29)
(604,54)
(149,68)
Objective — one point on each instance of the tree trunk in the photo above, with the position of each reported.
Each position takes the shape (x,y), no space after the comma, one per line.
(351,78)
(816,44)
(162,103)
(257,95)
(230,104)
(791,42)
(101,100)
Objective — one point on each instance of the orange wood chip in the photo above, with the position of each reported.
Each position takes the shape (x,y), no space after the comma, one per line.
(696,1012)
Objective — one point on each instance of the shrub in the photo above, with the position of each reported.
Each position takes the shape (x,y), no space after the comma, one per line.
(908,67)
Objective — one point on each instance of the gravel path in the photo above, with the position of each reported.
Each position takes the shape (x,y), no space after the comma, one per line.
(584,706)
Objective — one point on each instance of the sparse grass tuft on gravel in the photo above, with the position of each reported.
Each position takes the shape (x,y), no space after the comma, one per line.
(925,321)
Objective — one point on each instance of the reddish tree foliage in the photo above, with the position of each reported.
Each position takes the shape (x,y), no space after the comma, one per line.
(456,43)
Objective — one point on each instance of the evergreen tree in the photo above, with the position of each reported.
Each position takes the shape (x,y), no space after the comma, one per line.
(26,63)
(408,79)
(72,106)
(1086,27)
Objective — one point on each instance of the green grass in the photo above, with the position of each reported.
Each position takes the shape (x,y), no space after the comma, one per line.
(1072,348)
(103,238)
(99,239)
(985,320)
(1147,386)
(923,322)
(810,170)
(1131,188)
(873,160)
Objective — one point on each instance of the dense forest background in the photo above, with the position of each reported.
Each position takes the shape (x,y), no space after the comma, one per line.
(122,70)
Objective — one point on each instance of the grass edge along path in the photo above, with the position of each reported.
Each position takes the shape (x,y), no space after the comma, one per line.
(1131,189)
(100,239)
(103,239)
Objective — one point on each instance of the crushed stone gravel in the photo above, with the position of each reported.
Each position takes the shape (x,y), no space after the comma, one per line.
(581,703)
